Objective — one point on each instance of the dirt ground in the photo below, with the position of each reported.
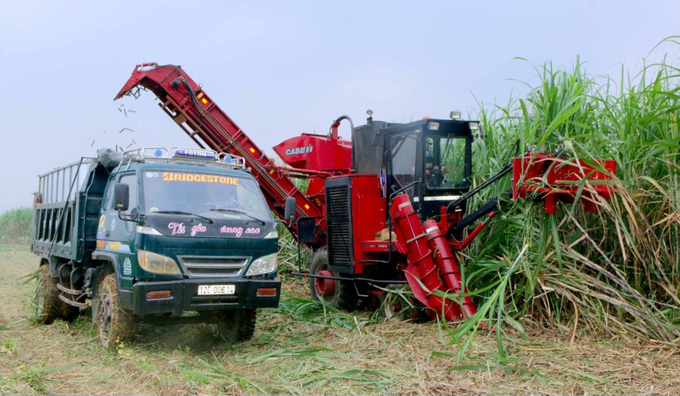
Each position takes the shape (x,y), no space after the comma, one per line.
(297,349)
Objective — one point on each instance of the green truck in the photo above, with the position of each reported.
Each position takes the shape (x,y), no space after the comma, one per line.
(162,236)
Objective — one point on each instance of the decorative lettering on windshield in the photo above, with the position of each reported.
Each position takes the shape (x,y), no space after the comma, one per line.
(197,228)
(177,228)
(237,231)
(198,178)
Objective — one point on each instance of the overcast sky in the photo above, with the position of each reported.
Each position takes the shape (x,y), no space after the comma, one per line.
(279,68)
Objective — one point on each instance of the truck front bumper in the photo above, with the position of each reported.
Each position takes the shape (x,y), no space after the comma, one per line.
(183,296)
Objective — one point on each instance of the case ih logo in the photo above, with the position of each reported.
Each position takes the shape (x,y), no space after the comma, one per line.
(300,150)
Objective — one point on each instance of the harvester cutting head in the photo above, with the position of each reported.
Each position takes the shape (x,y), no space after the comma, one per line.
(552,178)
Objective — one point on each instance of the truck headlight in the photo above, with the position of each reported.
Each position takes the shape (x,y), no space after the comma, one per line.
(263,265)
(156,263)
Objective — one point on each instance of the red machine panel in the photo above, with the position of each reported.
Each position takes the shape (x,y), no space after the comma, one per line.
(316,152)
(561,179)
(368,217)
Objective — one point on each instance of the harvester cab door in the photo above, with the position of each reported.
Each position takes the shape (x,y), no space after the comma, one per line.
(433,154)
(403,168)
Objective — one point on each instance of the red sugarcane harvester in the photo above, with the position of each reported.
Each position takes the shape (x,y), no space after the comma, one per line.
(386,208)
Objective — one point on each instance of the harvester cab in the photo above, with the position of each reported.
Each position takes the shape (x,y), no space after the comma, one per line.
(430,160)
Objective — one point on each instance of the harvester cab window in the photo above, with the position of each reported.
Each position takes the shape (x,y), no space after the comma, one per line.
(445,162)
(404,152)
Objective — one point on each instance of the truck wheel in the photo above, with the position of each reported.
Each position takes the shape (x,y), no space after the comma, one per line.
(113,323)
(69,312)
(50,307)
(236,325)
(334,293)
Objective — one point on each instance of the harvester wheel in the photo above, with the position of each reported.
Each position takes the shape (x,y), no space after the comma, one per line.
(392,302)
(416,312)
(334,293)
(236,325)
(399,302)
(113,323)
(50,307)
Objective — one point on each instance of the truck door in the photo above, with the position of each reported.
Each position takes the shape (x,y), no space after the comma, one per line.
(123,231)
(119,235)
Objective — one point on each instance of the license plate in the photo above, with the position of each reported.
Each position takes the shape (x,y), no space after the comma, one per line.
(213,290)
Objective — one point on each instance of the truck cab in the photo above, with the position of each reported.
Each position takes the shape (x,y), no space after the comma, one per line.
(183,235)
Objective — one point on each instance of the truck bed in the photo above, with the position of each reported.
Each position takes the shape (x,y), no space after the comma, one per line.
(66,211)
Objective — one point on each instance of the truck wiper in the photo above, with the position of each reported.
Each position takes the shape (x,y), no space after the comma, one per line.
(179,212)
(243,212)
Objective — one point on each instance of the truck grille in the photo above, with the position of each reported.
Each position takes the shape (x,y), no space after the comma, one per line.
(202,266)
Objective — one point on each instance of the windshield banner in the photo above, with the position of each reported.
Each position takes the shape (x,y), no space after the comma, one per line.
(234,229)
(198,178)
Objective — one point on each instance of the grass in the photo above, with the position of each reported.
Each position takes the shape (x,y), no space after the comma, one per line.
(15,226)
(614,272)
(303,348)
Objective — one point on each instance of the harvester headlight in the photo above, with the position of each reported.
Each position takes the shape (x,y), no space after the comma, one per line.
(263,265)
(157,263)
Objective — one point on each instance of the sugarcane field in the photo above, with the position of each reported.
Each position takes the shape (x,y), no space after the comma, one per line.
(317,212)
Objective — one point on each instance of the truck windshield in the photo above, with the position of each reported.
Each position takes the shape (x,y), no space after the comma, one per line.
(200,193)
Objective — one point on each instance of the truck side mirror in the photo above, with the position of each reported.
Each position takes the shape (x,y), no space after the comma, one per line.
(289,213)
(121,196)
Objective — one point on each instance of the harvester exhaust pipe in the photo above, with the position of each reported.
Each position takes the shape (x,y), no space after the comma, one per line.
(333,133)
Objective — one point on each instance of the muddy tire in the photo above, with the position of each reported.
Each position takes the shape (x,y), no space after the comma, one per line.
(113,323)
(236,325)
(69,312)
(50,307)
(334,293)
